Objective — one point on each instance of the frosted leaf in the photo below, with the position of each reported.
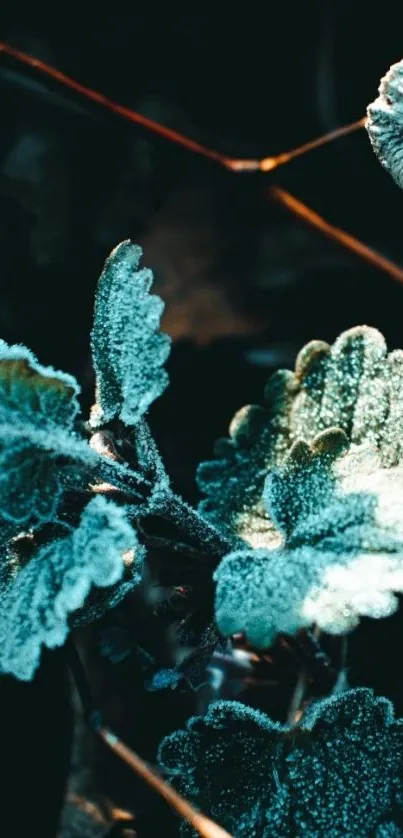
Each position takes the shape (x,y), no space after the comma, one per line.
(338,773)
(353,385)
(33,394)
(37,602)
(223,764)
(38,406)
(385,122)
(35,468)
(341,520)
(389,830)
(233,482)
(128,350)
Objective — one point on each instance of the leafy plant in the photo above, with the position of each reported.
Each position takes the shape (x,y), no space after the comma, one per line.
(299,534)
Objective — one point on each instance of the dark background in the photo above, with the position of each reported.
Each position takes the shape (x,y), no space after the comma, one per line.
(245,283)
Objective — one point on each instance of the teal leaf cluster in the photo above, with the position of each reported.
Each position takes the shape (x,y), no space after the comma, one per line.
(37,601)
(127,347)
(339,772)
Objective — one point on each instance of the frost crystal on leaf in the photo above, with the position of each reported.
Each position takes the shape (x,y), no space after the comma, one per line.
(340,516)
(385,122)
(38,406)
(128,350)
(31,393)
(233,483)
(314,483)
(338,773)
(36,601)
(353,385)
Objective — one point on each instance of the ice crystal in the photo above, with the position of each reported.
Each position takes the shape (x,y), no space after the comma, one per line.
(338,773)
(37,600)
(340,516)
(128,350)
(38,406)
(385,122)
(353,385)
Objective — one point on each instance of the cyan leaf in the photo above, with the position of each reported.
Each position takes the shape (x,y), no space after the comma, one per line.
(31,394)
(385,120)
(36,467)
(353,385)
(340,516)
(127,347)
(339,772)
(37,602)
(38,406)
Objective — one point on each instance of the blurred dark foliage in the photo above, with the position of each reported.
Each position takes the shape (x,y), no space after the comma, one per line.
(246,284)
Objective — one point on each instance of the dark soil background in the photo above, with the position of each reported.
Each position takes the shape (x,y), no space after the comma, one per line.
(245,283)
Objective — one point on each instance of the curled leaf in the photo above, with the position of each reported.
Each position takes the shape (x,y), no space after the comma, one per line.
(128,350)
(38,406)
(37,601)
(33,394)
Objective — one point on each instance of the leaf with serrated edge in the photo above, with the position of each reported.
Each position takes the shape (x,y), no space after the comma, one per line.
(127,347)
(353,385)
(37,602)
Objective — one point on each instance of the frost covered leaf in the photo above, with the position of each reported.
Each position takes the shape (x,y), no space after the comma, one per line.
(338,773)
(233,482)
(385,122)
(35,467)
(31,393)
(128,350)
(38,406)
(36,602)
(353,385)
(341,520)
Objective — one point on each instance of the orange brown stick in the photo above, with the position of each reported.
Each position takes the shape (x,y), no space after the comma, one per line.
(234,164)
(270,163)
(281,196)
(206,827)
(114,107)
(265,164)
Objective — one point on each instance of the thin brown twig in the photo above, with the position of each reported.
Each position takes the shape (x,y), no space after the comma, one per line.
(116,108)
(206,827)
(265,164)
(368,254)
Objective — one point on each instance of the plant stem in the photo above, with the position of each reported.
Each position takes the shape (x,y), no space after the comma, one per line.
(125,478)
(174,509)
(206,827)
